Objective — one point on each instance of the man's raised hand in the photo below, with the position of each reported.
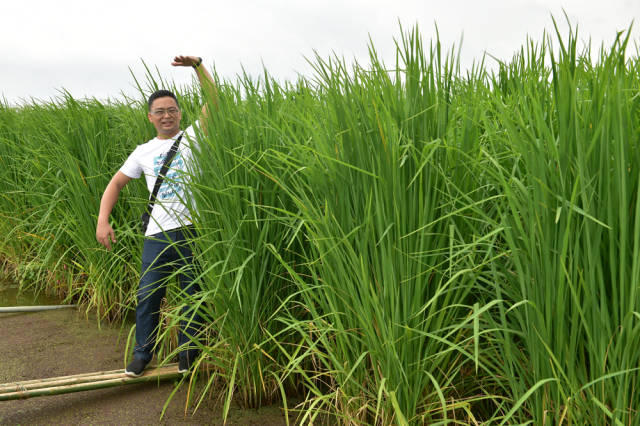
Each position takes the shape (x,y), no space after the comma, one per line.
(185,61)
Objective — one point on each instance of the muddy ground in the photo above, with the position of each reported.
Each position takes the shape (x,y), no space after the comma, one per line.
(65,342)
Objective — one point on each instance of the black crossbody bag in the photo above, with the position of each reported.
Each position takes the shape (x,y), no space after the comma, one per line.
(163,171)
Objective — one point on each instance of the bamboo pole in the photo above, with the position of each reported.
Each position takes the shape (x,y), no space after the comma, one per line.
(61,385)
(12,309)
(49,379)
(16,387)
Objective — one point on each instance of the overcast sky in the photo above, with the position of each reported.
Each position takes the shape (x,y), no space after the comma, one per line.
(88,47)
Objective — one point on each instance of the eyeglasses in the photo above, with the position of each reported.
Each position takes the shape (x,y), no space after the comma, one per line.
(161,112)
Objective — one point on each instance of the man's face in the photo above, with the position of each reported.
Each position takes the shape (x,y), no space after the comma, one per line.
(165,116)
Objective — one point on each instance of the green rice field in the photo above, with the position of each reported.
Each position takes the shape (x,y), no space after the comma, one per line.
(405,243)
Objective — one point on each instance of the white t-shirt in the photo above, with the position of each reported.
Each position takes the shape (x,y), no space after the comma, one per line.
(170,210)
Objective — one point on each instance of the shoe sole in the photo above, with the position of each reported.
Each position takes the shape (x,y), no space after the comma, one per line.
(131,374)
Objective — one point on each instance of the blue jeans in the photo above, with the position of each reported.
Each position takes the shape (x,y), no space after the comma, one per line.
(162,255)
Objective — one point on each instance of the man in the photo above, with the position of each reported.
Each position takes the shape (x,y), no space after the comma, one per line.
(165,247)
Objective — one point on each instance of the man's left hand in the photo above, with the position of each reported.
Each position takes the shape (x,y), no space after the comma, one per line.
(185,61)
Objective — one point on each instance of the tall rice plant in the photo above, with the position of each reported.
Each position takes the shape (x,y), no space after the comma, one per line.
(238,223)
(383,177)
(571,223)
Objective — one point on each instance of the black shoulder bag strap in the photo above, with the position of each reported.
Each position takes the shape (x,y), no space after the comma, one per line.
(163,171)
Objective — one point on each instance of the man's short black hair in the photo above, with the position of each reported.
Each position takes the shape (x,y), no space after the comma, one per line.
(161,94)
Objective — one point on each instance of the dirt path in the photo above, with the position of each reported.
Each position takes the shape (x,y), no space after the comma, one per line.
(58,343)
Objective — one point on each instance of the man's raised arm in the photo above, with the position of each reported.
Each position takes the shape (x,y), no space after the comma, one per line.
(205,78)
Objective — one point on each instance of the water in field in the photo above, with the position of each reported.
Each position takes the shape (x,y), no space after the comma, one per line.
(10,295)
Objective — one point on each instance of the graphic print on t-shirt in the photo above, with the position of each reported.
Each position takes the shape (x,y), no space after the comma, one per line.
(171,187)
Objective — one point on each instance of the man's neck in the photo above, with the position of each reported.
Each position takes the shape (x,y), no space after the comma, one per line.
(166,136)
